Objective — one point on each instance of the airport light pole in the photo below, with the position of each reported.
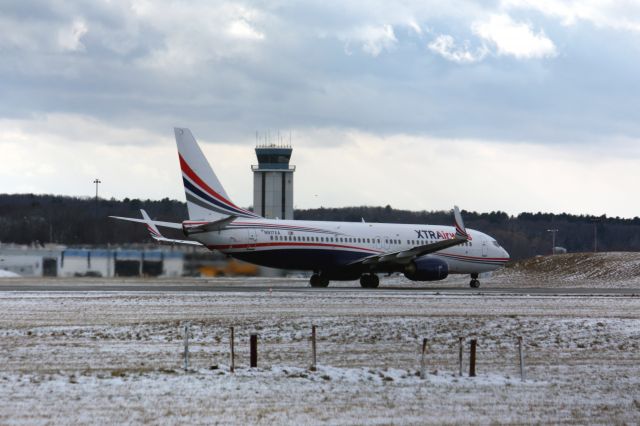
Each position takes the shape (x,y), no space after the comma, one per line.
(95,228)
(97,182)
(553,239)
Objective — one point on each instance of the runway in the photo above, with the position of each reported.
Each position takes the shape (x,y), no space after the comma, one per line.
(302,288)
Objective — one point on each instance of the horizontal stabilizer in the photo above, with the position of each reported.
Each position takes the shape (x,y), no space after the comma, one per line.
(155,222)
(152,226)
(195,227)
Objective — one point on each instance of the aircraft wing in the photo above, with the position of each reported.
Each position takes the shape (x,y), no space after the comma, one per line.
(405,256)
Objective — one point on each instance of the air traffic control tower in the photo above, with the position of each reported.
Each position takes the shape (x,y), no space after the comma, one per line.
(273,181)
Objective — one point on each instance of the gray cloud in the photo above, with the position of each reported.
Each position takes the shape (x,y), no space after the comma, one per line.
(228,68)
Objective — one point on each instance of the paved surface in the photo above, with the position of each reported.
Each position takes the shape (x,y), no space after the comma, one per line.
(244,288)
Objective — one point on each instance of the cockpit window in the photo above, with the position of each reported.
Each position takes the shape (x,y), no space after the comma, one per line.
(495,243)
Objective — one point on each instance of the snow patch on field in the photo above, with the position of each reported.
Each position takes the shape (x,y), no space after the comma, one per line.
(109,357)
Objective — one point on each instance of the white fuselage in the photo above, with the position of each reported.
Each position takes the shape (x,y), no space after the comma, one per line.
(315,245)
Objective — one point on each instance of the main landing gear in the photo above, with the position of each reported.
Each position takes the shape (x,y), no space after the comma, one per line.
(318,280)
(475,282)
(369,281)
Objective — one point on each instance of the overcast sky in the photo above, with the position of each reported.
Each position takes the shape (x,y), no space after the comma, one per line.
(514,105)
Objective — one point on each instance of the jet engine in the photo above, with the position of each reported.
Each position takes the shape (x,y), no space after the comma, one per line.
(426,269)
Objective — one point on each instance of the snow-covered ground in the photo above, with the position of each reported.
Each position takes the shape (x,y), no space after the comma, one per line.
(116,357)
(604,270)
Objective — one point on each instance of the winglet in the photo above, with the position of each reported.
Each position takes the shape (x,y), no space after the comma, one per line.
(461,231)
(153,229)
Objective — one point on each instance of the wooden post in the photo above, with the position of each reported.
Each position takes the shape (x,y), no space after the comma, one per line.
(313,348)
(472,358)
(253,346)
(460,354)
(186,347)
(423,373)
(521,354)
(232,367)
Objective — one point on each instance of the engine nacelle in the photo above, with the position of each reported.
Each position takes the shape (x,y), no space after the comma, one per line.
(427,269)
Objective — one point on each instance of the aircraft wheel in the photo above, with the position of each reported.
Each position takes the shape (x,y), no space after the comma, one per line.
(474,283)
(369,281)
(317,280)
(375,281)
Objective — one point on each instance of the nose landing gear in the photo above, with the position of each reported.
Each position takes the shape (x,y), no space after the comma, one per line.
(475,282)
(369,281)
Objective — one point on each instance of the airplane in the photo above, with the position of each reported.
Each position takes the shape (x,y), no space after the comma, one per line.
(331,250)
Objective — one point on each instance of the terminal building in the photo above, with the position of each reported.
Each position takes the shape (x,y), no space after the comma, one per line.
(60,261)
(273,182)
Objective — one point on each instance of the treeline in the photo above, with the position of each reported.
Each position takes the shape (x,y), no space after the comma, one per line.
(29,218)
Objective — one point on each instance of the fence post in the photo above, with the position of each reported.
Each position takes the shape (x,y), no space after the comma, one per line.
(186,347)
(253,344)
(521,354)
(313,348)
(232,367)
(460,354)
(472,358)
(423,373)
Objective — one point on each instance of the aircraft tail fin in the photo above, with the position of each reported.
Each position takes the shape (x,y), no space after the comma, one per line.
(206,198)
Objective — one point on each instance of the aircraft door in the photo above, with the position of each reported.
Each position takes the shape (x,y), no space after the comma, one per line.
(484,248)
(386,243)
(253,239)
(378,242)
